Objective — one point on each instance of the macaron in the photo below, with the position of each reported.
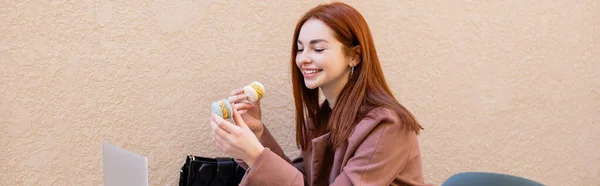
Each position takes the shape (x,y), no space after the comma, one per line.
(222,108)
(255,91)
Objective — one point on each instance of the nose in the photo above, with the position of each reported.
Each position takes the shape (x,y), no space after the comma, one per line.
(302,58)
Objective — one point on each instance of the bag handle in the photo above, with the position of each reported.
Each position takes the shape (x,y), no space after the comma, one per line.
(190,158)
(225,167)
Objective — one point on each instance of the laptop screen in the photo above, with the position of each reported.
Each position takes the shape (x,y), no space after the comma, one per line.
(122,167)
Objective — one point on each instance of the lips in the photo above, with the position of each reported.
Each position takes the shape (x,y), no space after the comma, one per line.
(310,73)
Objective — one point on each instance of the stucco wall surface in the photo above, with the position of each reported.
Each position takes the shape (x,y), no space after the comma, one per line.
(500,86)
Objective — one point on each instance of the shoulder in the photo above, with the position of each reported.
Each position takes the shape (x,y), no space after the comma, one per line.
(379,118)
(381,114)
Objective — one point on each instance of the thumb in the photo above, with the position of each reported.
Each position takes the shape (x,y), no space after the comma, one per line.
(238,118)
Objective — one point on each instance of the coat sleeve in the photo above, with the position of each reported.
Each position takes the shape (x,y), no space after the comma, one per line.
(268,141)
(273,167)
(383,157)
(378,160)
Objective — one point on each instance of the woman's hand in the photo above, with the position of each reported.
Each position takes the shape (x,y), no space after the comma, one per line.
(250,112)
(237,141)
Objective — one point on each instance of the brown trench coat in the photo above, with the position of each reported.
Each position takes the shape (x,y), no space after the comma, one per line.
(380,151)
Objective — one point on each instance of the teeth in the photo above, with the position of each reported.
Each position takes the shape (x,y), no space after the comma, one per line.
(311,71)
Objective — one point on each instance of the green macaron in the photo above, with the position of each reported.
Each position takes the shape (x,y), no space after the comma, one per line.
(222,108)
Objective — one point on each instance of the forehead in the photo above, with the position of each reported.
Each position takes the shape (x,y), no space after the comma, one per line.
(315,29)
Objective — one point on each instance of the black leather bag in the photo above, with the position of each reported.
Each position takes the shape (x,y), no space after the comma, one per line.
(202,171)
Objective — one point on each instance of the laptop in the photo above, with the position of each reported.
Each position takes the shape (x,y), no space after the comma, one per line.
(122,167)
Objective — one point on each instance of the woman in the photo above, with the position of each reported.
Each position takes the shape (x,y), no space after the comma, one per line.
(359,135)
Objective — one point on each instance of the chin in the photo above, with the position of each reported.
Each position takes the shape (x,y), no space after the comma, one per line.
(311,85)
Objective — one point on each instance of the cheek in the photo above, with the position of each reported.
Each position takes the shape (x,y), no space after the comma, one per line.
(334,63)
(297,60)
(322,59)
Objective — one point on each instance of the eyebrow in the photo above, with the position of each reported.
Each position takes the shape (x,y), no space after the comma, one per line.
(312,42)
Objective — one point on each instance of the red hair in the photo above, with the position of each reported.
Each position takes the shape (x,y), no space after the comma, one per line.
(366,88)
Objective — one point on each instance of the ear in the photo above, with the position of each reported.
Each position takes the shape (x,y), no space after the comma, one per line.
(356,56)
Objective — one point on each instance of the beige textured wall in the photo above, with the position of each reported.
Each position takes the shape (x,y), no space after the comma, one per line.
(503,86)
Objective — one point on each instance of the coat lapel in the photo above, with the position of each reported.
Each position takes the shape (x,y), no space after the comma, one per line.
(321,161)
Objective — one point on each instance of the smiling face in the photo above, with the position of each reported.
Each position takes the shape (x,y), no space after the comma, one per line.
(321,57)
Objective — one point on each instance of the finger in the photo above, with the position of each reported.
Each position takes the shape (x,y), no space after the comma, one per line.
(219,144)
(243,106)
(242,112)
(213,126)
(213,121)
(218,140)
(214,116)
(223,145)
(221,134)
(238,119)
(237,98)
(218,119)
(214,139)
(228,127)
(237,91)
